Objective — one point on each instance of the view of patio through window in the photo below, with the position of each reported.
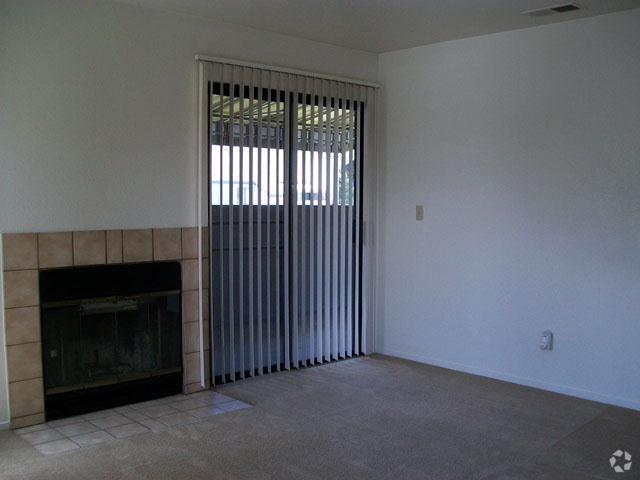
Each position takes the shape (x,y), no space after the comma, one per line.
(247,168)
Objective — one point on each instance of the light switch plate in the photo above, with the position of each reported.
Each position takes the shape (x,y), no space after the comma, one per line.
(419,213)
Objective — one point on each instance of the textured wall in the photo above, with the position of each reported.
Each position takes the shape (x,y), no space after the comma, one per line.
(524,148)
(98,122)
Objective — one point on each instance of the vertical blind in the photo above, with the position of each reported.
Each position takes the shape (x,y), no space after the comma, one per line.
(286,156)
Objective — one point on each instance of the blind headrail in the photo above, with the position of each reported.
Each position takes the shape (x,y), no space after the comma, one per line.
(293,71)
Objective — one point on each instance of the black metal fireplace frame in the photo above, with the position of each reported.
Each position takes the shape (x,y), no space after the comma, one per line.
(110,281)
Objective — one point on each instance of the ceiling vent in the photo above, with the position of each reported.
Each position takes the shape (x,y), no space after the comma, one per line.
(543,12)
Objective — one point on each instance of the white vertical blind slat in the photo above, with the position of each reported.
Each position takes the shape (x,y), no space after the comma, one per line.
(231,246)
(268,224)
(311,329)
(251,227)
(311,223)
(287,221)
(349,221)
(317,94)
(223,349)
(277,229)
(327,220)
(259,227)
(342,227)
(241,229)
(334,227)
(295,292)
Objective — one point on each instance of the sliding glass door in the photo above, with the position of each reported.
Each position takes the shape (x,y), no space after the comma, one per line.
(285,220)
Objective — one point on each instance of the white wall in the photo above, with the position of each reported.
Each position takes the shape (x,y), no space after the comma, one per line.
(98,112)
(98,122)
(524,148)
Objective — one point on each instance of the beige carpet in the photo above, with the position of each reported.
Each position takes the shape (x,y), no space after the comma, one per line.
(367,418)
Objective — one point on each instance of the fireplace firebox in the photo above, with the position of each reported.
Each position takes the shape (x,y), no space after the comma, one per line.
(111,335)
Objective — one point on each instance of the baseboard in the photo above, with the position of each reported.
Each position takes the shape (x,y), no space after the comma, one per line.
(529,382)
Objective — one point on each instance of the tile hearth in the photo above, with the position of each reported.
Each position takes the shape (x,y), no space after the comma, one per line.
(72,433)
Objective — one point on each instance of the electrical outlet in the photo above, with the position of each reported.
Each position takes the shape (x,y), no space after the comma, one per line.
(546,340)
(419,213)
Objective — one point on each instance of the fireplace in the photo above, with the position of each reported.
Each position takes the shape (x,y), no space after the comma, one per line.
(111,335)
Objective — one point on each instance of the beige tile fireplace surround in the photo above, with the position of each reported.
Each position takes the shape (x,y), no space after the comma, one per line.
(25,254)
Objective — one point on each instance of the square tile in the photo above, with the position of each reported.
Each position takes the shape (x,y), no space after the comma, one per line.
(190,404)
(167,244)
(57,446)
(190,242)
(177,419)
(111,421)
(26,397)
(55,250)
(180,397)
(89,248)
(205,273)
(137,245)
(27,420)
(135,415)
(219,399)
(207,411)
(22,325)
(205,242)
(233,406)
(157,411)
(124,431)
(24,361)
(114,246)
(41,436)
(189,306)
(192,366)
(191,337)
(74,429)
(20,251)
(190,275)
(65,421)
(92,438)
(206,395)
(190,388)
(21,289)
(153,425)
(32,428)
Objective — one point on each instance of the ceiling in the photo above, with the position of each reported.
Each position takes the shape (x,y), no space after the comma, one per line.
(383,25)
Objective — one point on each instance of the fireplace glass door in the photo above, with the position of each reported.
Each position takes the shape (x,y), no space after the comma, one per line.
(99,342)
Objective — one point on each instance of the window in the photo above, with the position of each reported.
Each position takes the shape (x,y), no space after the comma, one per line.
(248,148)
